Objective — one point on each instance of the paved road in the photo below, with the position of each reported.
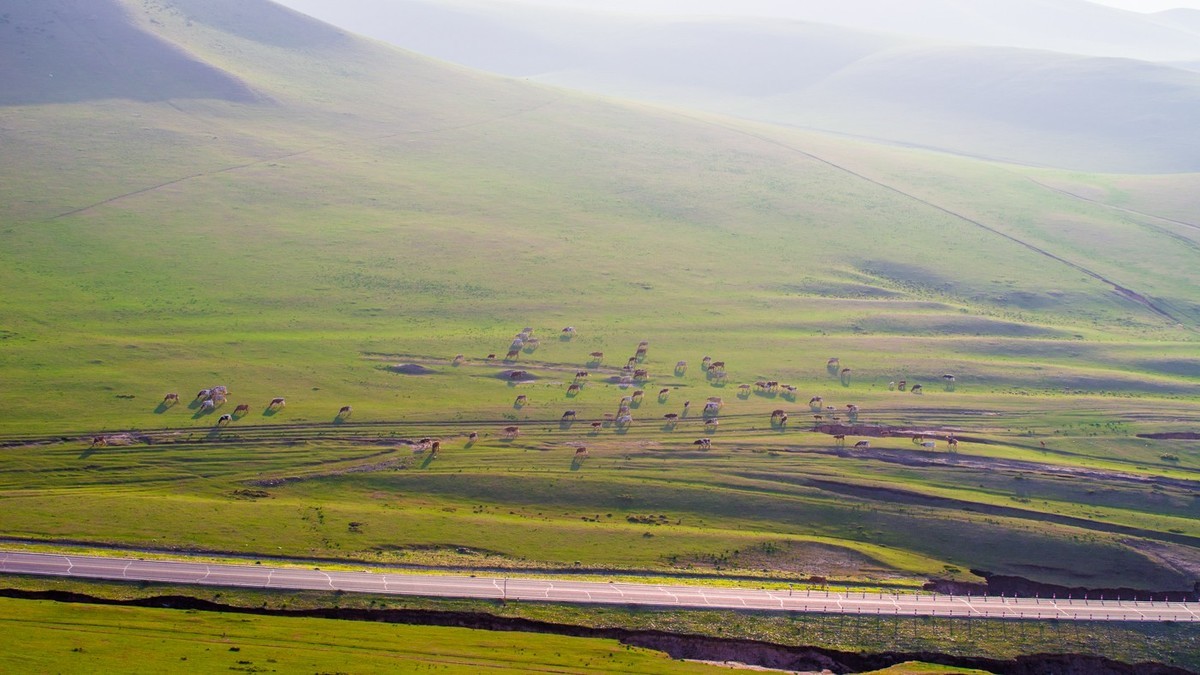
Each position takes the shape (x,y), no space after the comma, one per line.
(585,592)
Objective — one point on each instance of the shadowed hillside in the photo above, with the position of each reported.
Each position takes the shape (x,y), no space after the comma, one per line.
(60,51)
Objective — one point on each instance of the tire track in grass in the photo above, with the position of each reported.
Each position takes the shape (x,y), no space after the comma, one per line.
(1123,291)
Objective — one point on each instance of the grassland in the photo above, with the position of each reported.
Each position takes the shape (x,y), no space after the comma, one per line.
(77,638)
(374,208)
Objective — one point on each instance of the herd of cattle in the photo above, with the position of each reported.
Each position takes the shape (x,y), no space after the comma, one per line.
(631,374)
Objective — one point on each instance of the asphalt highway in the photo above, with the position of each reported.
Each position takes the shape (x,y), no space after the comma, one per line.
(591,592)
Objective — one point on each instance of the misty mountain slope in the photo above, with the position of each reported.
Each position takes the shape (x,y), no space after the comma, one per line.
(1018,105)
(1187,19)
(1076,26)
(1015,105)
(371,169)
(58,51)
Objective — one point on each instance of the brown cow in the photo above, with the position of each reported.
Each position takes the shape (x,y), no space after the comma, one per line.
(171,398)
(511,432)
(345,411)
(840,439)
(512,354)
(521,400)
(581,453)
(573,389)
(242,408)
(277,402)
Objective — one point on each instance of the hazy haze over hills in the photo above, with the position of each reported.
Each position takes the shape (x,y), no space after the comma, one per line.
(979,95)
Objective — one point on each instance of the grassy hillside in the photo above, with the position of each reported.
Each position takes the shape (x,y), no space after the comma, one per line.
(365,207)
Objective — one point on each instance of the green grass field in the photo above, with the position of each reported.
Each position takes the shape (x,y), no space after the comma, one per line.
(373,208)
(77,638)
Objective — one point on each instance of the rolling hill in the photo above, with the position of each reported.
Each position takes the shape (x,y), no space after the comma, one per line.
(317,210)
(1023,105)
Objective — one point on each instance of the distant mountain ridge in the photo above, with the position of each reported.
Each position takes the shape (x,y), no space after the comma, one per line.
(1025,106)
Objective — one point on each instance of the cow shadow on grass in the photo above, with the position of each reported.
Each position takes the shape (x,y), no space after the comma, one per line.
(429,457)
(270,412)
(162,408)
(577,463)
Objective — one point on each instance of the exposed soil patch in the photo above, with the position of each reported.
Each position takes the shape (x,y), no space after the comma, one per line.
(516,376)
(1172,436)
(797,557)
(411,369)
(679,646)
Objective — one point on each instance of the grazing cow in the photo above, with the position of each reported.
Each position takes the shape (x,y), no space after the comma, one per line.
(573,389)
(916,389)
(717,365)
(521,400)
(203,394)
(242,408)
(569,415)
(783,420)
(863,444)
(1043,444)
(643,344)
(596,426)
(631,363)
(597,356)
(918,438)
(220,390)
(217,399)
(663,393)
(641,374)
(891,385)
(626,380)
(705,362)
(704,443)
(952,443)
(98,441)
(776,413)
(948,377)
(839,439)
(680,367)
(345,411)
(510,432)
(744,387)
(818,417)
(687,404)
(458,359)
(902,385)
(568,331)
(512,354)
(625,420)
(816,402)
(638,394)
(833,362)
(581,375)
(711,422)
(845,372)
(207,406)
(671,418)
(473,436)
(517,374)
(224,419)
(581,453)
(277,402)
(171,398)
(491,356)
(711,408)
(851,409)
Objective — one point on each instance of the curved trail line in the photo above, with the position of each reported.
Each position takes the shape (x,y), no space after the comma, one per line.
(298,153)
(595,593)
(1127,293)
